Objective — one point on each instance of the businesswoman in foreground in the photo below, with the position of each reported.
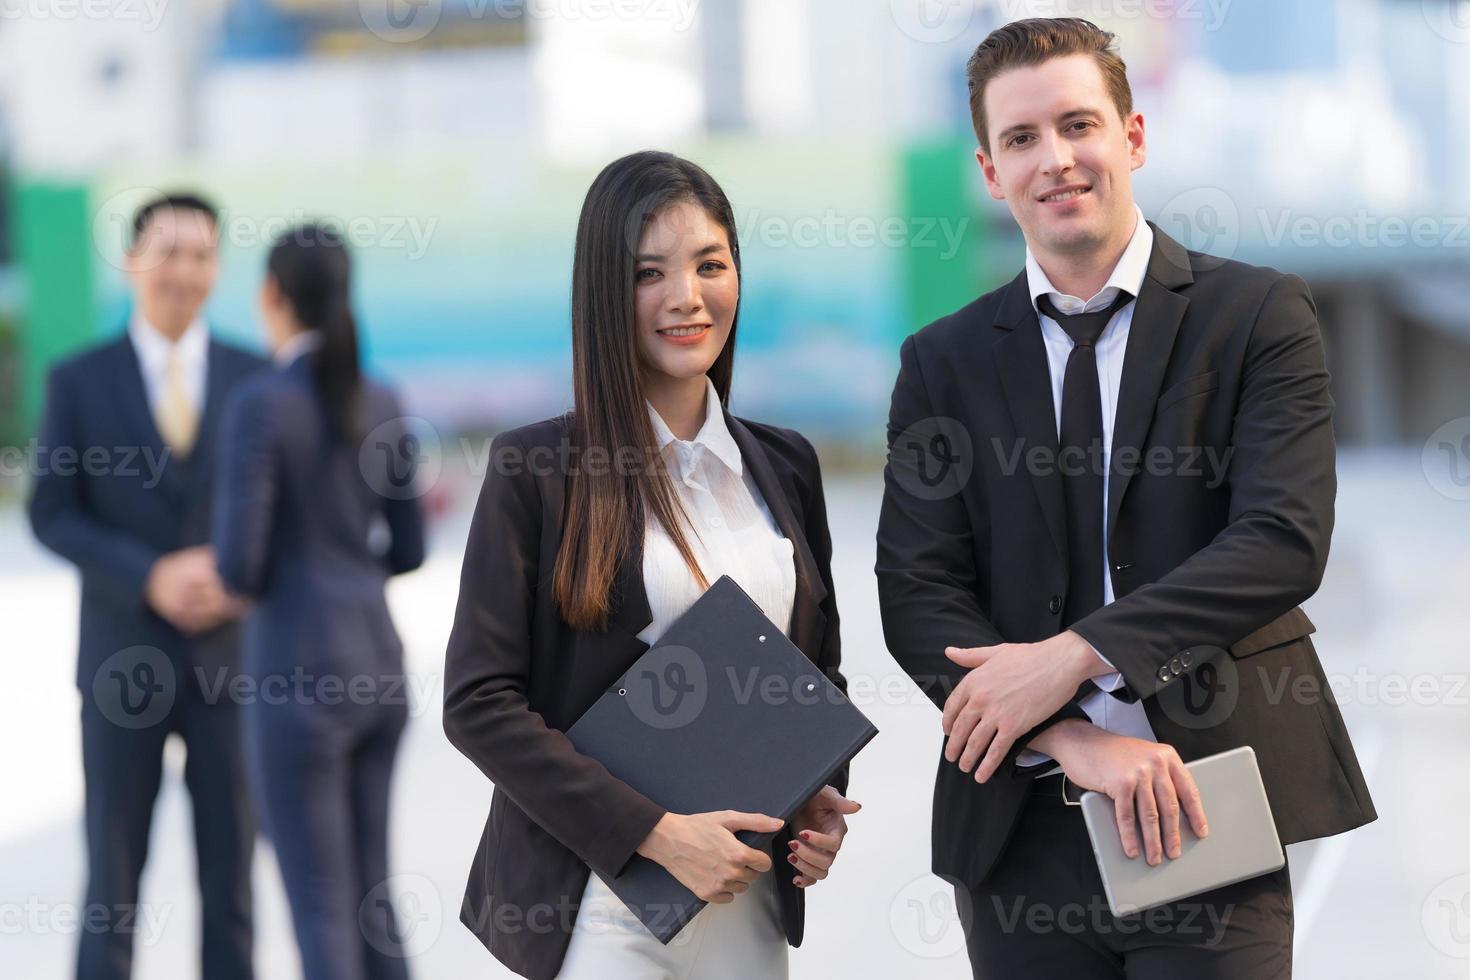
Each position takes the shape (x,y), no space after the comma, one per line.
(315,511)
(577,563)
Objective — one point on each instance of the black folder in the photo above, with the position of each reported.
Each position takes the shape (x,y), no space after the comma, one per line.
(723,713)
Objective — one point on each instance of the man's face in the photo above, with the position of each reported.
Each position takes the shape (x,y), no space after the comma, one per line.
(173,265)
(1051,127)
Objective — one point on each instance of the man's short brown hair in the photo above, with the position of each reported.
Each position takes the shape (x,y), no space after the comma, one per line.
(1024,43)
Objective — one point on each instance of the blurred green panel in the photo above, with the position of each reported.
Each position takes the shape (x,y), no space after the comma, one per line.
(938,278)
(53,244)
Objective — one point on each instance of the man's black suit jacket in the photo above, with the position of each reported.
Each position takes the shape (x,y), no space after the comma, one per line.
(109,497)
(1220,509)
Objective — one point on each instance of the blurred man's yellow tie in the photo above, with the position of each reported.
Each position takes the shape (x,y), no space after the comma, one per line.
(177,416)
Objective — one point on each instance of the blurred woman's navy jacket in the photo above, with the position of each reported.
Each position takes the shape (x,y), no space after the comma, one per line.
(312,529)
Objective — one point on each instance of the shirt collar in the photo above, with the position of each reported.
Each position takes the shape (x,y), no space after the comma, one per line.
(714,435)
(1127,274)
(296,345)
(153,347)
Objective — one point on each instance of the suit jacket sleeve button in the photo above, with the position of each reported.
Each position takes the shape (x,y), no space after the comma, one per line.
(1056,604)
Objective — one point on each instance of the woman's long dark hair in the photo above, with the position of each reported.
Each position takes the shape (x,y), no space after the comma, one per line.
(606,505)
(313,270)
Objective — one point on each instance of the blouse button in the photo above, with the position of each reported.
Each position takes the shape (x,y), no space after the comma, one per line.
(716,522)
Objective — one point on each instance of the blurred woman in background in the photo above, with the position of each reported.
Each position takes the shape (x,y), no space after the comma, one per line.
(315,510)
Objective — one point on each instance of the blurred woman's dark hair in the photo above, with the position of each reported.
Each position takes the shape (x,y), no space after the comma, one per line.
(311,266)
(606,504)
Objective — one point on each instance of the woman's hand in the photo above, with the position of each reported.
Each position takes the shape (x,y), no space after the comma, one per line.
(702,851)
(820,826)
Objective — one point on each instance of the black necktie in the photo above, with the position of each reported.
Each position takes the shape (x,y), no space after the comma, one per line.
(1080,440)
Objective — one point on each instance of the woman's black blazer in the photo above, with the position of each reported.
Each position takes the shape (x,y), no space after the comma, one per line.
(516,676)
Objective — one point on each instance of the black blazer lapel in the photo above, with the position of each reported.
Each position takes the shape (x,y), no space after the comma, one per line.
(137,415)
(1026,379)
(807,618)
(1156,317)
(630,613)
(217,380)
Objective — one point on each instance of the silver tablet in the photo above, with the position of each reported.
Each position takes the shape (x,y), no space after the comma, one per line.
(1242,842)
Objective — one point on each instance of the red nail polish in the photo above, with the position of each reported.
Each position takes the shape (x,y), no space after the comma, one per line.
(792,844)
(791,858)
(806,835)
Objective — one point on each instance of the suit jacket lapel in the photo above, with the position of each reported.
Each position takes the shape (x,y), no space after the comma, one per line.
(138,414)
(807,618)
(215,383)
(630,613)
(1156,317)
(1026,379)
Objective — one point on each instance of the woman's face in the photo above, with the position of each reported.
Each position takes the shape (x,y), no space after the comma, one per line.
(686,291)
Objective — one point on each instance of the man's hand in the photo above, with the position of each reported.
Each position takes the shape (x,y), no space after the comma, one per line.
(1012,688)
(184,588)
(820,826)
(1141,777)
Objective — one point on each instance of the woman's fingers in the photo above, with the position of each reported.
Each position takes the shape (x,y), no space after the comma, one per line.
(816,857)
(807,868)
(822,842)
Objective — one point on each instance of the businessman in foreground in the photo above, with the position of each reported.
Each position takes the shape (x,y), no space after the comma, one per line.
(1110,487)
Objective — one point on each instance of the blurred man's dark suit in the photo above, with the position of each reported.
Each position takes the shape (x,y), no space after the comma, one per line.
(1224,362)
(140,678)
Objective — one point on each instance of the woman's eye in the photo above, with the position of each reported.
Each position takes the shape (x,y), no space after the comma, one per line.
(646,275)
(712,266)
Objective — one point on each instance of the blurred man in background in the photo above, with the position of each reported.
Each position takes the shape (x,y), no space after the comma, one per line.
(123,490)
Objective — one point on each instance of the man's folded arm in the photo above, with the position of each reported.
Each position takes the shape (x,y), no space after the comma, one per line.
(1282,480)
(928,585)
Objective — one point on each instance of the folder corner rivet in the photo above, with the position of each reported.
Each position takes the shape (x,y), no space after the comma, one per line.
(622,691)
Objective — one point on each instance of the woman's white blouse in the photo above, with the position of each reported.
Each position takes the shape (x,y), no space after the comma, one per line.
(734,532)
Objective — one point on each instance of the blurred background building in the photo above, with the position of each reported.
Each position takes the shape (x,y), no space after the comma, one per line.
(454,140)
